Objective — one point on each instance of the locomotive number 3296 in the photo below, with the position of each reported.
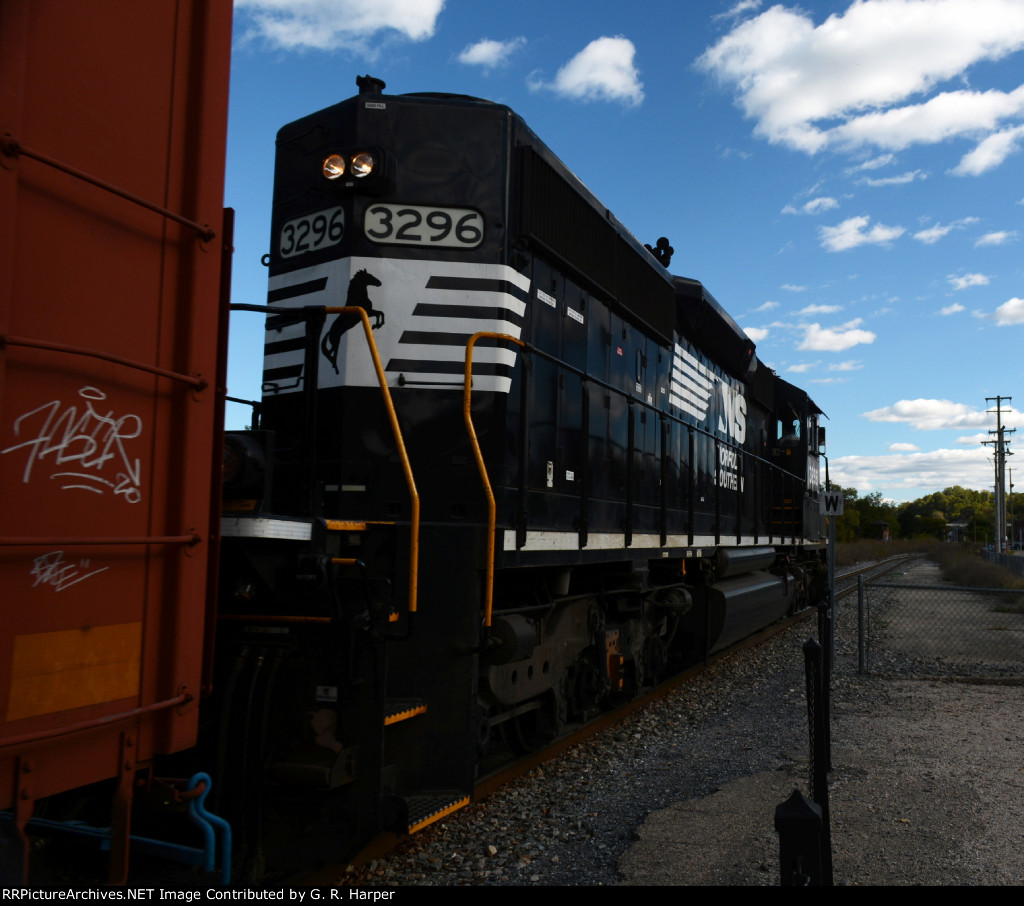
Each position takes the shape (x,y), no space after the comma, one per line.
(419,225)
(312,232)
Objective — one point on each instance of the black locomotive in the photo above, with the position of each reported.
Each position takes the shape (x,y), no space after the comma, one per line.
(522,474)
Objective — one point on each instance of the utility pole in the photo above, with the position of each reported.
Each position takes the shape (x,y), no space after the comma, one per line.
(1012,542)
(1001,453)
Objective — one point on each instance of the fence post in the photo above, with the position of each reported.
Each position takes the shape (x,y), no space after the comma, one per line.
(861,637)
(817,713)
(824,725)
(798,824)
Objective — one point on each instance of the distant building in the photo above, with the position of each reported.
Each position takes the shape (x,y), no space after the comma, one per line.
(957,531)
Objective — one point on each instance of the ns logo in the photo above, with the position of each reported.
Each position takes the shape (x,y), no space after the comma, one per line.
(732,419)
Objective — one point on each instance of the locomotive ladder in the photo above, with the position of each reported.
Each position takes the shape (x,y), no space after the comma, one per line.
(423,808)
(410,481)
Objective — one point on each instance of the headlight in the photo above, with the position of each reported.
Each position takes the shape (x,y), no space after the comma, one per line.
(333,166)
(234,460)
(246,469)
(363,164)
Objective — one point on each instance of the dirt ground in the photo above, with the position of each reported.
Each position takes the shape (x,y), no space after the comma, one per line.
(927,787)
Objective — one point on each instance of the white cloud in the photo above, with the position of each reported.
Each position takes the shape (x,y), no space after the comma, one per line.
(913,470)
(835,339)
(803,368)
(973,440)
(900,180)
(814,206)
(963,281)
(903,448)
(930,415)
(854,232)
(876,163)
(933,234)
(337,24)
(488,53)
(990,153)
(767,306)
(820,310)
(1000,237)
(741,8)
(602,71)
(951,309)
(757,334)
(849,365)
(858,78)
(793,288)
(945,116)
(1010,312)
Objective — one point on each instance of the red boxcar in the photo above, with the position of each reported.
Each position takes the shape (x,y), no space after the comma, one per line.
(112,256)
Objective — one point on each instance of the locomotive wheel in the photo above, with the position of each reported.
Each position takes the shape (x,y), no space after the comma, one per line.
(588,688)
(532,730)
(483,733)
(655,659)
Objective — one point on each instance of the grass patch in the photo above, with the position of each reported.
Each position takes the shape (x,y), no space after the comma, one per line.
(854,552)
(961,564)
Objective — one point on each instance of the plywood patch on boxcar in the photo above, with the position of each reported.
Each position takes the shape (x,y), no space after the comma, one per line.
(72,668)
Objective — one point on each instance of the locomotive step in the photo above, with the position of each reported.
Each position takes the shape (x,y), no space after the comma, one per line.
(399,709)
(427,807)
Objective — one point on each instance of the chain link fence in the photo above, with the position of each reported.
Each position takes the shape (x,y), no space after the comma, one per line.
(1011,562)
(943,631)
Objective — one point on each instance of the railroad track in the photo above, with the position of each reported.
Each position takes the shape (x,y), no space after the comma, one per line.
(493,780)
(843,585)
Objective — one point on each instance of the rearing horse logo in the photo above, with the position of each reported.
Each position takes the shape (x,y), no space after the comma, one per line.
(357,298)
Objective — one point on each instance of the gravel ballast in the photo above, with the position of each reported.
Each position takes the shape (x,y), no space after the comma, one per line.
(927,787)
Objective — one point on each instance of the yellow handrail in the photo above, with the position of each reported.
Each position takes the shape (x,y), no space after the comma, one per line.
(492,508)
(410,482)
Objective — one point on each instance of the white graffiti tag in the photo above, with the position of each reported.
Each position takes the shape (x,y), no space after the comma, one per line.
(52,569)
(87,440)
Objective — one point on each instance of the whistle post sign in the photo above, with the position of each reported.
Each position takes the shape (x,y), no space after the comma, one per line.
(830,503)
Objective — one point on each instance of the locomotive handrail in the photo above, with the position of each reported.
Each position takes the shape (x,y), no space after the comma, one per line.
(492,507)
(584,376)
(604,385)
(410,481)
(307,312)
(199,383)
(255,405)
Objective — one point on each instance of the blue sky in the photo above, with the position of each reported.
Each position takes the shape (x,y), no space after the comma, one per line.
(846,178)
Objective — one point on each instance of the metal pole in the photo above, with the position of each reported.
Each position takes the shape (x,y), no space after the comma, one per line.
(831,598)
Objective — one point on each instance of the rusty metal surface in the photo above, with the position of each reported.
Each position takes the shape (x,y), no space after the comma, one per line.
(111,116)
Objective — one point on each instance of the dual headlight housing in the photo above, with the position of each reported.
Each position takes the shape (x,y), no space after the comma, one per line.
(365,170)
(359,165)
